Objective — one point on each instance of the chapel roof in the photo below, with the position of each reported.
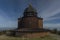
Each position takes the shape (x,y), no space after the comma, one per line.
(30,9)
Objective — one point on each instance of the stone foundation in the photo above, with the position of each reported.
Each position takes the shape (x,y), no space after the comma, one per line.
(32,35)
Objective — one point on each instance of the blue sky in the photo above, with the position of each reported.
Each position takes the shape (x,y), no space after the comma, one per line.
(11,10)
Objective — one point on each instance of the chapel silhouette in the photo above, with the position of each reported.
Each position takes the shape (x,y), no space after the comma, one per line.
(30,25)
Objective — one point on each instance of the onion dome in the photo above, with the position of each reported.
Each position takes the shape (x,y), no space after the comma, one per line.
(30,9)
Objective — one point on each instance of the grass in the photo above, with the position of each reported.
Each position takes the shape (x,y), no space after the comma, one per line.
(4,37)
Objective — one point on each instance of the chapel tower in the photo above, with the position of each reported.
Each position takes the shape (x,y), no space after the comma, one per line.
(30,19)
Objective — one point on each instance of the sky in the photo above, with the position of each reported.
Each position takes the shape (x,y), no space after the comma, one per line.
(11,10)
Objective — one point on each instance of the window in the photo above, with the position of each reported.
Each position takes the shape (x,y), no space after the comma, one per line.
(30,14)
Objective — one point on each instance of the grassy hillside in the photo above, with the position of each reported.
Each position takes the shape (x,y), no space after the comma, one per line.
(49,37)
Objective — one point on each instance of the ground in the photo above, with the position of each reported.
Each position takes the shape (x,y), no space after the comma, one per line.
(49,37)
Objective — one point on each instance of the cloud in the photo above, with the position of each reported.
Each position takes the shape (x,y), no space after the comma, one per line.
(5,21)
(51,18)
(52,25)
(49,9)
